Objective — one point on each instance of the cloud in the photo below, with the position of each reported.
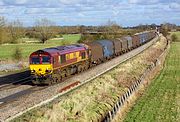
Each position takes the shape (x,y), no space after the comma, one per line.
(70,2)
(91,12)
(174,6)
(1,3)
(143,2)
(14,2)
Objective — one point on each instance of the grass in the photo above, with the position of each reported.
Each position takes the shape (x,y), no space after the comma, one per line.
(66,39)
(6,51)
(161,102)
(91,101)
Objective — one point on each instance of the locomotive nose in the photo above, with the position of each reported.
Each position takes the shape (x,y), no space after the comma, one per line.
(41,71)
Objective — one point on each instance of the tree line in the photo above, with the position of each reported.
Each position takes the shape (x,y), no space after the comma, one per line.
(44,29)
(10,32)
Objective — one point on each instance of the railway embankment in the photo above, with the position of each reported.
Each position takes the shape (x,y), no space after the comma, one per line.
(161,100)
(128,100)
(94,100)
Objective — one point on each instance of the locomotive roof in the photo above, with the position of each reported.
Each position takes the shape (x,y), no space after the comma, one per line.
(66,49)
(63,49)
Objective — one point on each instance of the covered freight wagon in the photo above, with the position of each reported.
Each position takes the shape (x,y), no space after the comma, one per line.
(146,36)
(108,48)
(124,44)
(96,51)
(117,47)
(135,40)
(142,38)
(129,41)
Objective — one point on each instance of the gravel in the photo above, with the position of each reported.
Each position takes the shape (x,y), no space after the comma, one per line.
(7,67)
(10,91)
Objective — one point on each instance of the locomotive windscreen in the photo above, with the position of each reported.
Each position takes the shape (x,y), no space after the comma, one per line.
(40,60)
(35,60)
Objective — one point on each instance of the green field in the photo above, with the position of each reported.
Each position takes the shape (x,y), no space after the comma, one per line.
(6,51)
(161,102)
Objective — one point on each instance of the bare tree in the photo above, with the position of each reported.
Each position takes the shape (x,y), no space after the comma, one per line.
(165,29)
(44,29)
(111,29)
(2,24)
(2,21)
(15,30)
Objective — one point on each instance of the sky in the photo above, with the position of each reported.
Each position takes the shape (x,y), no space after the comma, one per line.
(92,12)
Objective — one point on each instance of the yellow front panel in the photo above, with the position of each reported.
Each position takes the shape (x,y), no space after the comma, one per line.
(40,69)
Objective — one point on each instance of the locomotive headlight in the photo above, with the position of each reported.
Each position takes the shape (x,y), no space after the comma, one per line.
(32,71)
(48,70)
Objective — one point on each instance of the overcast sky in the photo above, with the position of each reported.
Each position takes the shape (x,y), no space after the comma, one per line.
(92,12)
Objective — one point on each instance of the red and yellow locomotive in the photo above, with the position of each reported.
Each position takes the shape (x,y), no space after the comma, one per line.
(52,64)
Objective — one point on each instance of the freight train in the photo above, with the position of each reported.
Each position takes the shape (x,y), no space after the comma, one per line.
(52,65)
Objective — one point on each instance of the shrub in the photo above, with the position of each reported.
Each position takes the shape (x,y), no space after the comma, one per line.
(174,37)
(17,54)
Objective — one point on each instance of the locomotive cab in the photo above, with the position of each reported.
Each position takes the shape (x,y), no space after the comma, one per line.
(40,63)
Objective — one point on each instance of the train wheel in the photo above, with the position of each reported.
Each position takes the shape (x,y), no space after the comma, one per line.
(35,82)
(56,80)
(60,79)
(63,73)
(50,82)
(68,73)
(98,62)
(80,68)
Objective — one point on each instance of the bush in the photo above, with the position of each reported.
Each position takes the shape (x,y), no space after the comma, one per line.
(17,54)
(174,37)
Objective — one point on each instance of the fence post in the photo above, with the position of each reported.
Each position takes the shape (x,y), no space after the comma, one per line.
(110,116)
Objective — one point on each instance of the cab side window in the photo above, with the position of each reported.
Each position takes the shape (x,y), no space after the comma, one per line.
(63,59)
(83,55)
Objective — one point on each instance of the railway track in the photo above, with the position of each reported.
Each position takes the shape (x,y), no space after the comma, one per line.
(13,78)
(83,78)
(11,98)
(24,81)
